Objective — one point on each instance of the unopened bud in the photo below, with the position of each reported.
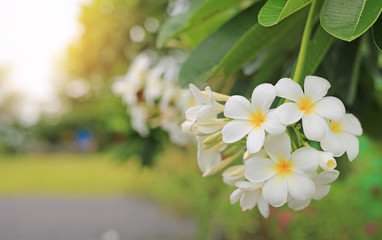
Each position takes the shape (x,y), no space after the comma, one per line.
(327,161)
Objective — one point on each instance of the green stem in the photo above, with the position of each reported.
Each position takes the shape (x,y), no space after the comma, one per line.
(304,43)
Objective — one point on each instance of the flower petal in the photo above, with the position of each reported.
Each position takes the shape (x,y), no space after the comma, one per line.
(207,158)
(263,96)
(238,107)
(298,205)
(272,124)
(255,139)
(275,191)
(192,112)
(235,130)
(326,177)
(300,186)
(315,127)
(351,124)
(333,143)
(248,186)
(259,169)
(316,87)
(235,195)
(198,95)
(248,200)
(331,108)
(278,146)
(263,206)
(289,89)
(351,145)
(289,113)
(321,192)
(305,159)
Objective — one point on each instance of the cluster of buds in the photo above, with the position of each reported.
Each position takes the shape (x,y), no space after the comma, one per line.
(279,165)
(153,97)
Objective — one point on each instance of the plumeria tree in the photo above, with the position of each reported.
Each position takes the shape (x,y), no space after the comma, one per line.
(288,133)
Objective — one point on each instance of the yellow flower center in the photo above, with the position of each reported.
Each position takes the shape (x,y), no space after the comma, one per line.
(305,104)
(336,127)
(257,118)
(283,167)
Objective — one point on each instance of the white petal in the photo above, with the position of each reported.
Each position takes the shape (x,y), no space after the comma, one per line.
(263,96)
(351,124)
(305,159)
(333,143)
(300,186)
(206,112)
(248,200)
(255,139)
(316,87)
(321,192)
(259,169)
(235,130)
(289,89)
(208,127)
(207,157)
(263,206)
(248,186)
(272,124)
(326,177)
(198,95)
(331,108)
(278,146)
(351,145)
(314,126)
(289,113)
(298,205)
(275,191)
(192,112)
(238,107)
(235,195)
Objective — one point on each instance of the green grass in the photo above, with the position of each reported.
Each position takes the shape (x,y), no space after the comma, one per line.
(65,174)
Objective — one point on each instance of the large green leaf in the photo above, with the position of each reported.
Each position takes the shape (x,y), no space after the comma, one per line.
(349,19)
(233,45)
(317,48)
(201,12)
(276,10)
(377,33)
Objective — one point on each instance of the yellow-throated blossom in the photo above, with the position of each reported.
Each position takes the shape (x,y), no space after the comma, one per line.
(283,173)
(252,118)
(310,105)
(342,137)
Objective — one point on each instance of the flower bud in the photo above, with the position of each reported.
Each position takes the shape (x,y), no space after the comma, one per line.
(327,161)
(233,174)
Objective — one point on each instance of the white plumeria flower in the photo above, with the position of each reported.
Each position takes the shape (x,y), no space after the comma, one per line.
(208,157)
(139,117)
(283,173)
(250,194)
(322,189)
(253,118)
(310,105)
(204,114)
(342,137)
(327,161)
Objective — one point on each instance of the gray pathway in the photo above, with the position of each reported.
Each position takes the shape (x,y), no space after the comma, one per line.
(125,218)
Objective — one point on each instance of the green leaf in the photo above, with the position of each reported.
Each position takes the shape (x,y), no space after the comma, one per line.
(276,10)
(317,48)
(377,33)
(349,19)
(233,45)
(201,12)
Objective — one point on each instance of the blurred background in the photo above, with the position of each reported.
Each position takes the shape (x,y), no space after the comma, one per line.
(73,167)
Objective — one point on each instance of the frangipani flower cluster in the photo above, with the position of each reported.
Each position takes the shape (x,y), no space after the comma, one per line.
(153,97)
(279,165)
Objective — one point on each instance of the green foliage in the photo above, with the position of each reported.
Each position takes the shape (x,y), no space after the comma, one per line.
(347,20)
(377,33)
(233,45)
(201,15)
(276,10)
